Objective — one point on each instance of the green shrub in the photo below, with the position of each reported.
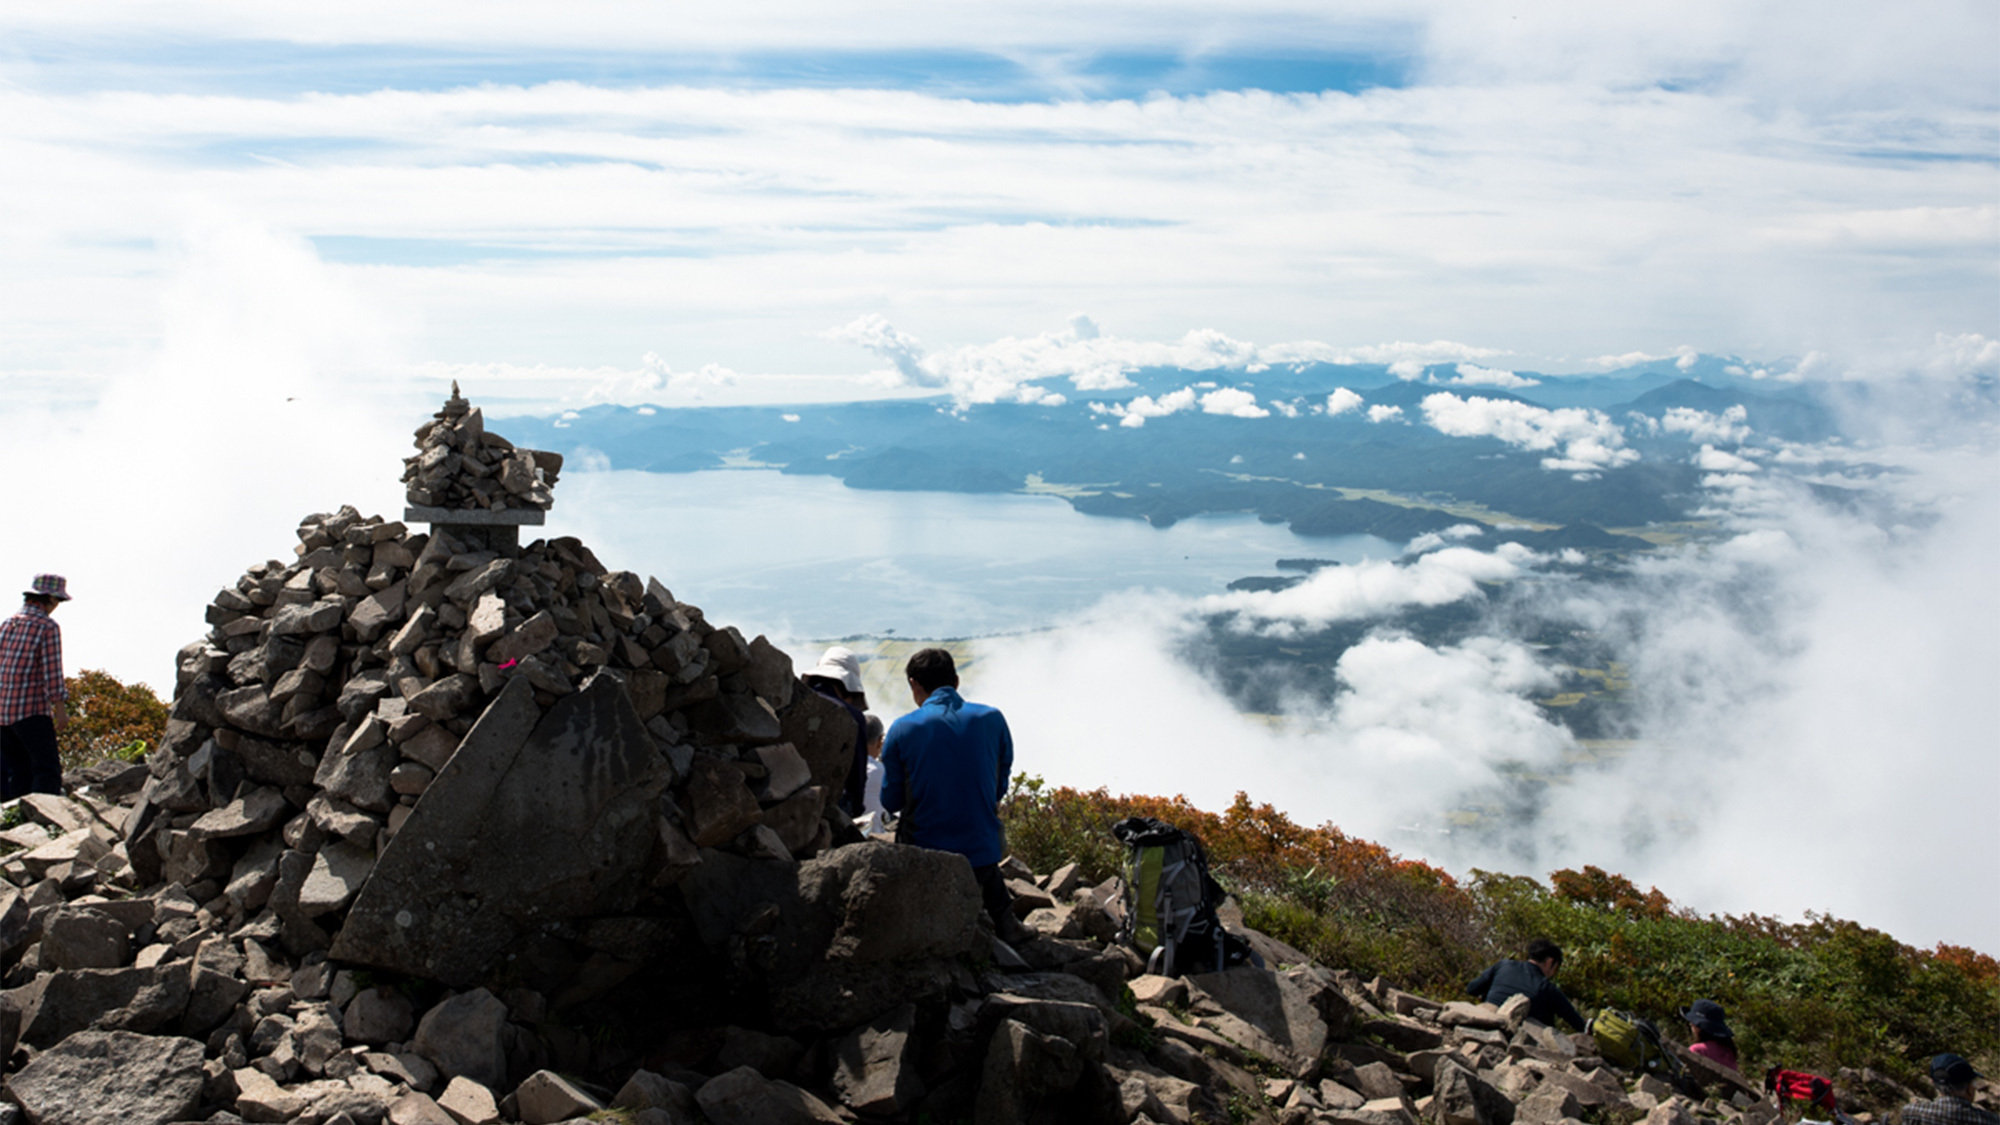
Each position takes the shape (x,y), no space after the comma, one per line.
(1815,995)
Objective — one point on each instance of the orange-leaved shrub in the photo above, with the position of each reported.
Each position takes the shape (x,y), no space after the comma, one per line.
(109,719)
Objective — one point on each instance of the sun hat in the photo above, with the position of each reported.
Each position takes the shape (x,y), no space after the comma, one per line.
(839,663)
(49,586)
(1951,1070)
(1706,1016)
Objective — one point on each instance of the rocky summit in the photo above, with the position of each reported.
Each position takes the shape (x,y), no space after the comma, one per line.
(447,830)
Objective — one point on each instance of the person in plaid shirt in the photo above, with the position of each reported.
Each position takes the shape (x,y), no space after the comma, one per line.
(1953,1077)
(32,695)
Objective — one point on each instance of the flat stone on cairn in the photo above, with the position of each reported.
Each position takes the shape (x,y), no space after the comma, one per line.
(475,483)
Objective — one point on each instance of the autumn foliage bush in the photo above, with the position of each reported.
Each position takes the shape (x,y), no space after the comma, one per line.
(109,719)
(1817,995)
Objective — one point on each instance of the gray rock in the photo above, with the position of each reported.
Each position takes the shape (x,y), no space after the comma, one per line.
(1023,1070)
(338,872)
(77,937)
(57,1005)
(526,639)
(875,1068)
(252,814)
(280,764)
(773,1056)
(360,777)
(417,1108)
(14,917)
(785,771)
(796,819)
(378,611)
(546,1098)
(720,804)
(1262,1011)
(446,698)
(378,1015)
(646,1090)
(93,1077)
(465,1037)
(530,823)
(469,1102)
(745,1097)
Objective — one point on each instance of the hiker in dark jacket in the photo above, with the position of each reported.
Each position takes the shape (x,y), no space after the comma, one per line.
(1532,978)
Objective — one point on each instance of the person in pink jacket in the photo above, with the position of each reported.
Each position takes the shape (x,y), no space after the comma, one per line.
(1712,1038)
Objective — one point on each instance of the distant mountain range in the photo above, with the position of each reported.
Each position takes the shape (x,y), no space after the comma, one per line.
(1370,459)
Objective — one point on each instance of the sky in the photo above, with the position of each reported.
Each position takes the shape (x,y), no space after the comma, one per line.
(244,248)
(651,204)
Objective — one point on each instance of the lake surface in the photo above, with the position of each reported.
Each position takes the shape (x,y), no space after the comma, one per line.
(807,557)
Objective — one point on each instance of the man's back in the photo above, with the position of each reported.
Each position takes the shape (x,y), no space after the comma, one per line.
(945,767)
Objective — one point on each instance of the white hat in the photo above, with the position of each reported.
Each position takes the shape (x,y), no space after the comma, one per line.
(840,663)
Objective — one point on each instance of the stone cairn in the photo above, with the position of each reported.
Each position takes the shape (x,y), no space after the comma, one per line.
(449,831)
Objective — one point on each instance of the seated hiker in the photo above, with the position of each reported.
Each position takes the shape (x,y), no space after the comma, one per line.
(837,676)
(1531,977)
(1953,1076)
(1712,1038)
(877,818)
(944,769)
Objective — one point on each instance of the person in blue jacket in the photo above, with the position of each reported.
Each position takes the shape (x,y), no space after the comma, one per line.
(944,769)
(1533,977)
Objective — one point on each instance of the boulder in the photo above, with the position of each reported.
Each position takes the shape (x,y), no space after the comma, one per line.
(535,820)
(378,1015)
(77,937)
(546,1098)
(875,1067)
(465,1037)
(745,1097)
(99,1076)
(57,1005)
(469,1102)
(1264,1012)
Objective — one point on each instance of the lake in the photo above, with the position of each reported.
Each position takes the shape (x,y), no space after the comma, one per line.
(808,557)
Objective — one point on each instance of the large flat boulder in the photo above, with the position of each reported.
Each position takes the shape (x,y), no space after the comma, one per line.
(536,819)
(100,1076)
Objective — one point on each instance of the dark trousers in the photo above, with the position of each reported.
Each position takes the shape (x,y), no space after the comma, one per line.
(28,759)
(999,903)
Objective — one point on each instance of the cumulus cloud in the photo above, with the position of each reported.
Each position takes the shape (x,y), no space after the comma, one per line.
(1379,413)
(1341,401)
(1473,375)
(1579,440)
(1684,357)
(1367,589)
(1232,402)
(1699,425)
(1715,460)
(1134,412)
(655,379)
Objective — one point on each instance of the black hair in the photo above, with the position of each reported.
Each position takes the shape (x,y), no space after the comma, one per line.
(932,669)
(43,600)
(1542,949)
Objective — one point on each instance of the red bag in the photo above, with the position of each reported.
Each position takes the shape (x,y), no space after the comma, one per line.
(1797,1085)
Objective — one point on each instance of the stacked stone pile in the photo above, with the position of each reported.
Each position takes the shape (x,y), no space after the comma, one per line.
(460,464)
(442,834)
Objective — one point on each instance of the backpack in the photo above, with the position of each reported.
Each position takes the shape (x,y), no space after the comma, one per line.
(1797,1085)
(1633,1043)
(1170,901)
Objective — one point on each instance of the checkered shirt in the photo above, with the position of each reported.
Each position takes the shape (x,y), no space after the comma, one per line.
(31,676)
(1948,1111)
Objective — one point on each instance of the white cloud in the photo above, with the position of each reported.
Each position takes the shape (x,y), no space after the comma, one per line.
(1134,413)
(1233,402)
(1683,356)
(1715,460)
(1379,413)
(1583,440)
(1473,375)
(1341,401)
(1700,425)
(1367,589)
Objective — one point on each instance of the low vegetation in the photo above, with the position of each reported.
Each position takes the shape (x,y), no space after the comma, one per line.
(1815,995)
(109,719)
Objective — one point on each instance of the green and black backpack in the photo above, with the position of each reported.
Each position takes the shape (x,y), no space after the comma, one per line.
(1170,902)
(1633,1043)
